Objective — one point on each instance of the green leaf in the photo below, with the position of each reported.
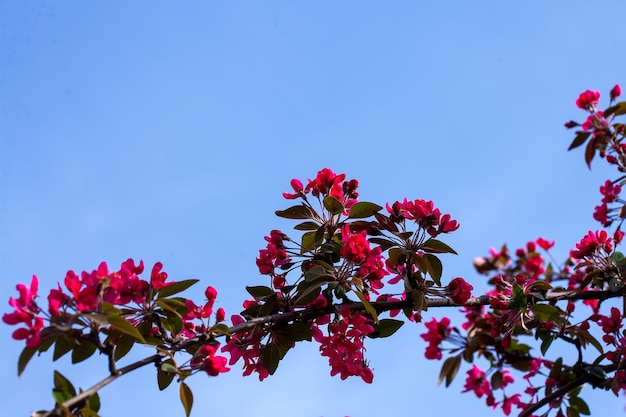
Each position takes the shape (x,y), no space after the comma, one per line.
(124,326)
(295,212)
(370,309)
(164,378)
(186,398)
(333,205)
(270,357)
(385,328)
(617,109)
(307,226)
(63,345)
(436,246)
(581,137)
(83,350)
(585,337)
(63,384)
(308,291)
(315,272)
(93,402)
(435,268)
(123,346)
(25,357)
(220,329)
(572,412)
(545,344)
(363,209)
(176,287)
(519,297)
(383,243)
(171,305)
(545,312)
(590,152)
(260,291)
(449,370)
(297,332)
(580,405)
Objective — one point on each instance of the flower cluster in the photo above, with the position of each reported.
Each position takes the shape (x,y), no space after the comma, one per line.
(610,194)
(437,332)
(424,214)
(344,345)
(274,255)
(26,313)
(326,183)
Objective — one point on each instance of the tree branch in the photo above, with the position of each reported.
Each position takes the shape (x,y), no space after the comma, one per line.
(309,314)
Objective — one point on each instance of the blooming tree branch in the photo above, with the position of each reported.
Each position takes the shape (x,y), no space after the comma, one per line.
(352,272)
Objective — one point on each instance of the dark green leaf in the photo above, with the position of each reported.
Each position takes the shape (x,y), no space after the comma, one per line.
(590,152)
(572,412)
(315,272)
(308,241)
(260,291)
(176,287)
(586,337)
(436,246)
(186,398)
(370,309)
(270,357)
(295,212)
(297,331)
(25,357)
(580,405)
(220,329)
(449,369)
(383,243)
(172,322)
(545,344)
(333,205)
(124,326)
(123,346)
(496,379)
(435,268)
(617,109)
(580,138)
(308,291)
(307,226)
(93,402)
(386,327)
(63,384)
(164,379)
(82,351)
(363,209)
(545,312)
(63,345)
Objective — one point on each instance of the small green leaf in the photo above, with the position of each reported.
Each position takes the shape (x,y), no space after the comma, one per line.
(169,367)
(496,379)
(581,138)
(270,357)
(186,398)
(572,412)
(220,329)
(308,291)
(123,346)
(61,383)
(435,268)
(333,205)
(124,326)
(63,345)
(449,369)
(363,209)
(590,152)
(260,291)
(545,344)
(83,350)
(176,287)
(93,402)
(580,405)
(25,357)
(545,312)
(617,109)
(370,309)
(295,212)
(436,246)
(307,226)
(164,379)
(385,328)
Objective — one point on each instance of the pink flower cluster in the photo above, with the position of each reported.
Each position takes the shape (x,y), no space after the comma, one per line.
(459,290)
(247,346)
(274,255)
(26,313)
(356,249)
(326,183)
(592,245)
(610,194)
(207,359)
(424,214)
(437,332)
(344,346)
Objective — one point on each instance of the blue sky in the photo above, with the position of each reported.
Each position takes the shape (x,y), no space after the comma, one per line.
(169,132)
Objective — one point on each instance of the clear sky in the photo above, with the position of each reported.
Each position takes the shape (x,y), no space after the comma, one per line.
(168,132)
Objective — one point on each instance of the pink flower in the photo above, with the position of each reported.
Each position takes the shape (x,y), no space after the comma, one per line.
(437,332)
(356,247)
(588,100)
(157,278)
(297,187)
(477,381)
(591,243)
(459,291)
(544,244)
(616,92)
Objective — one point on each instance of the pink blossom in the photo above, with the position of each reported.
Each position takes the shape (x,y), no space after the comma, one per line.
(588,100)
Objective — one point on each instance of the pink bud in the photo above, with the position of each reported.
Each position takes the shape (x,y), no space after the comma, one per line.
(616,92)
